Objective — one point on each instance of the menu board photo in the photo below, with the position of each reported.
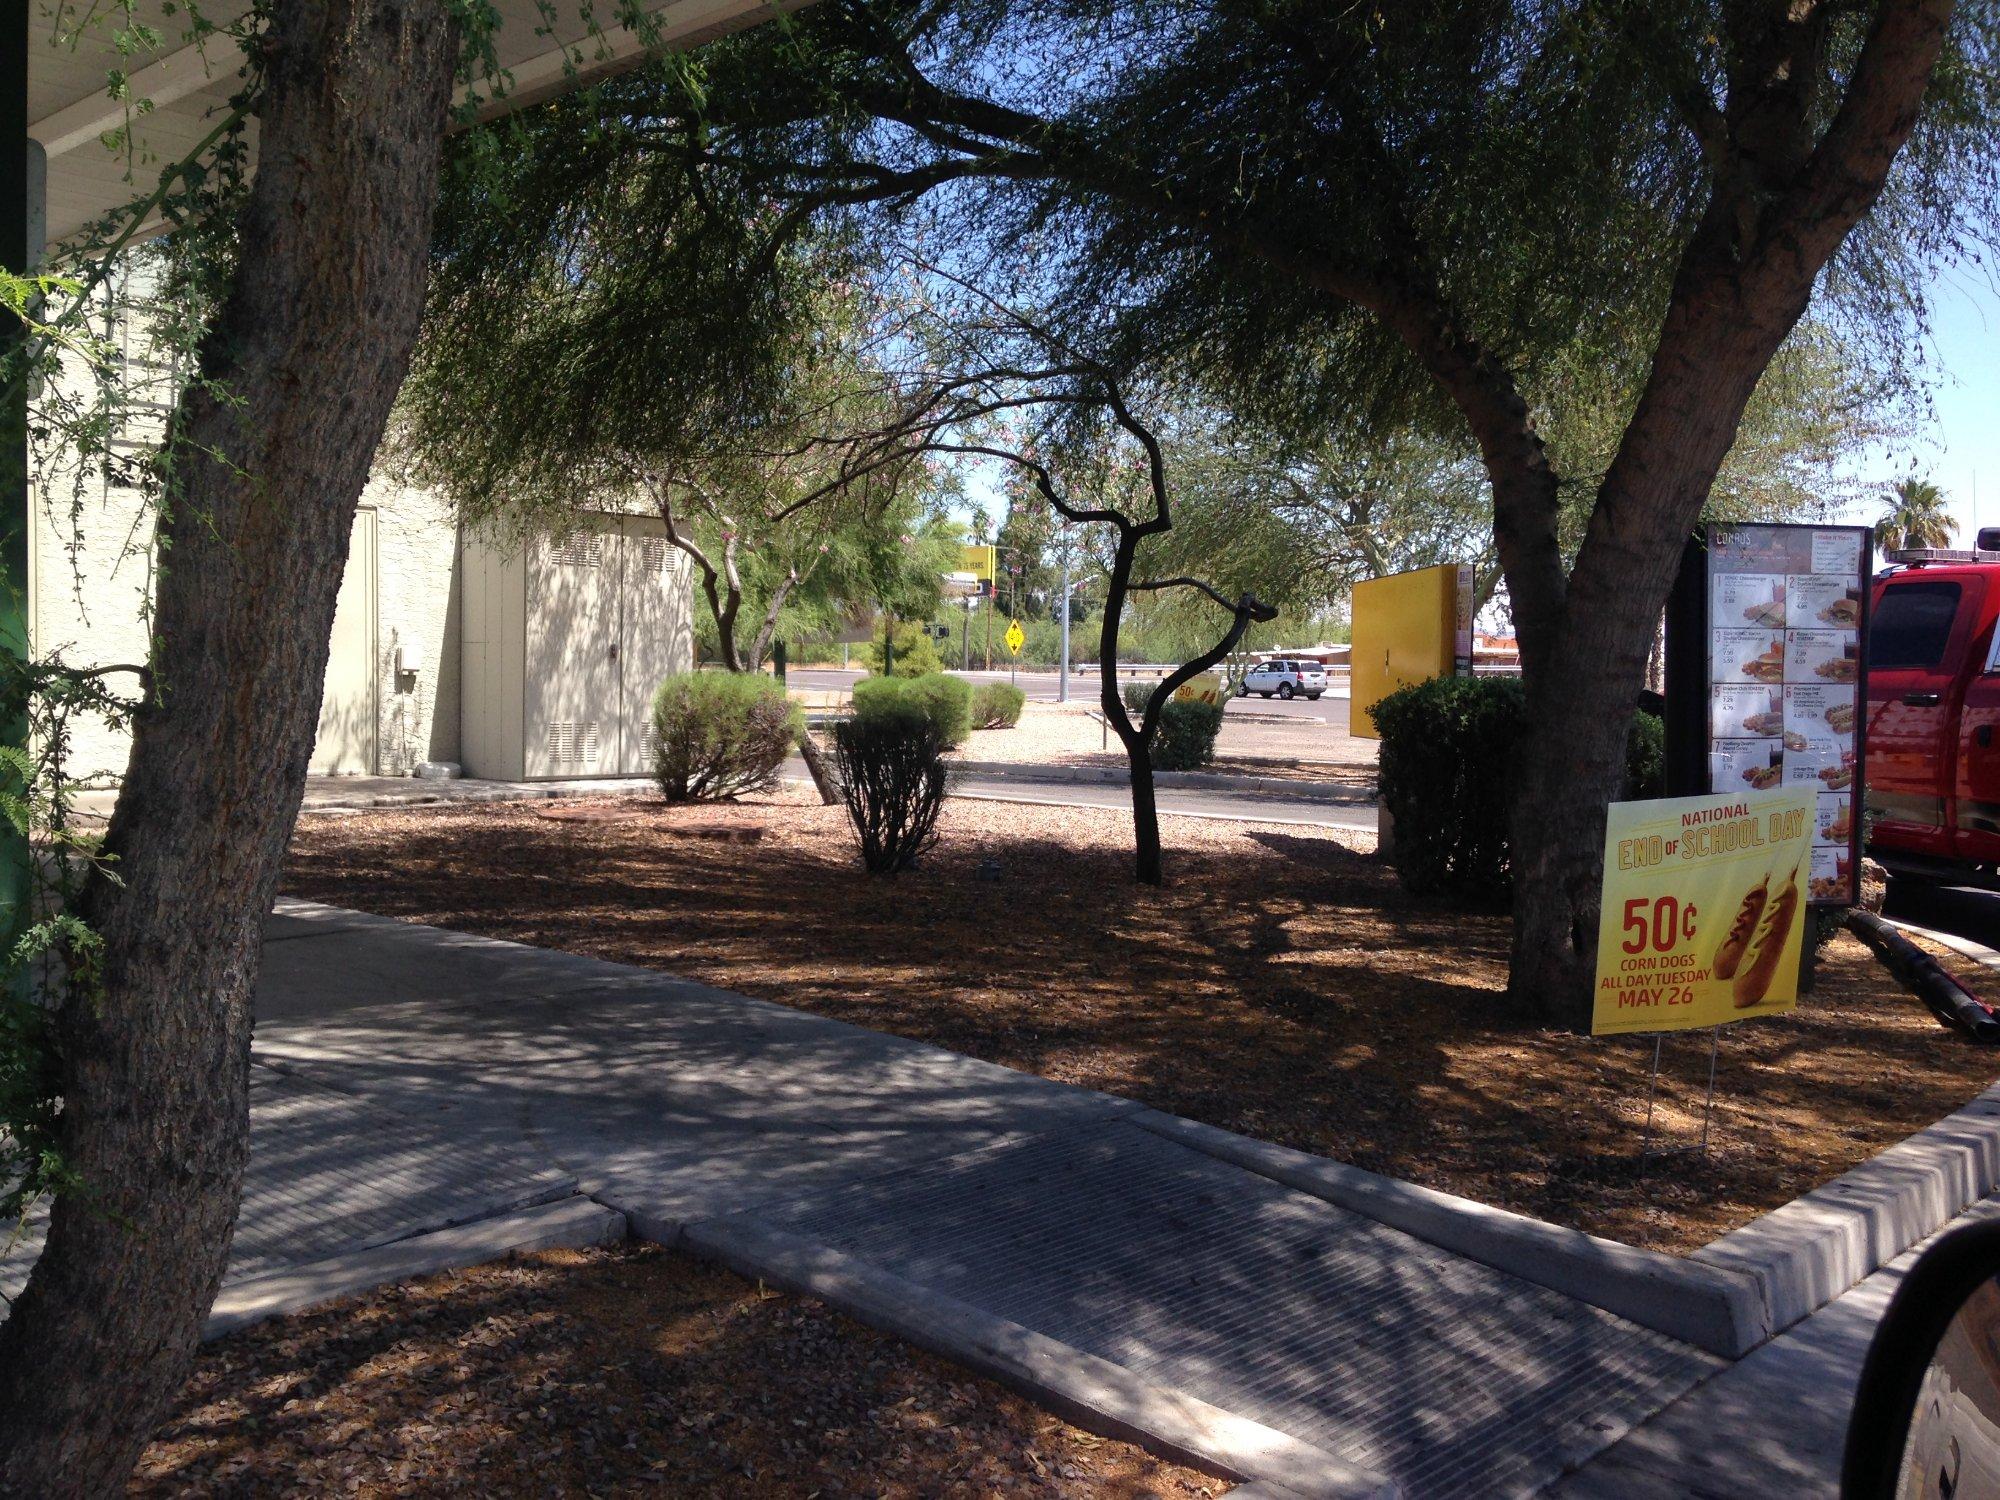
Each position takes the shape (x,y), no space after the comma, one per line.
(1785,611)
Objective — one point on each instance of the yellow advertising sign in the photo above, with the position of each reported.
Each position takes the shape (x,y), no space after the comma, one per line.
(1704,910)
(978,561)
(1405,631)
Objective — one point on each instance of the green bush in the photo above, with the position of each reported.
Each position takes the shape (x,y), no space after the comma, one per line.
(1646,758)
(893,781)
(721,734)
(944,700)
(1188,728)
(916,653)
(997,705)
(1446,748)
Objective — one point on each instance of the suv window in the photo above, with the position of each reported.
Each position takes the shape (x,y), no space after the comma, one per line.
(1912,624)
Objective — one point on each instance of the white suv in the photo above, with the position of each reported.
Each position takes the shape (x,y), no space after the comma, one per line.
(1286,679)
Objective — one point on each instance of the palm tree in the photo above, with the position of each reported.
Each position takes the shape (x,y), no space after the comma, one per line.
(1916,518)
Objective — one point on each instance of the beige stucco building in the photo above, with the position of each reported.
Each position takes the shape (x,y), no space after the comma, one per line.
(526,658)
(513,658)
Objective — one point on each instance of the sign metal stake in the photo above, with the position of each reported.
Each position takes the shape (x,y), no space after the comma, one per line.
(1652,1092)
(1708,1109)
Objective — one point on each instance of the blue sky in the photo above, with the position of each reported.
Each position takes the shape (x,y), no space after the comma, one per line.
(1960,448)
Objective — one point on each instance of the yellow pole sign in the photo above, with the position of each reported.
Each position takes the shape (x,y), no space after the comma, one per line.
(1014,637)
(978,561)
(1704,908)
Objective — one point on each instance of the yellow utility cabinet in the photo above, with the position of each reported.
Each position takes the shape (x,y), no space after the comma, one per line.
(1408,627)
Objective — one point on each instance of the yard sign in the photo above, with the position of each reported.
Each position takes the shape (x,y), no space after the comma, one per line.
(1703,916)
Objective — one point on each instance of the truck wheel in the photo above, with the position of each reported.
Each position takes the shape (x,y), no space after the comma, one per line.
(1285,691)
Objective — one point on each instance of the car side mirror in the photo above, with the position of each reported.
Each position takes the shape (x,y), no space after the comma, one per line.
(1926,1418)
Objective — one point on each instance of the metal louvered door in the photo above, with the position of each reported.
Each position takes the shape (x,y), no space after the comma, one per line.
(569,722)
(653,633)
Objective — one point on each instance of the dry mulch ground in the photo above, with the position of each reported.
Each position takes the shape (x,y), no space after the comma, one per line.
(1281,985)
(624,1371)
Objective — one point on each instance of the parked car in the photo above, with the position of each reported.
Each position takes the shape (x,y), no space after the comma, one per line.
(1934,716)
(1285,679)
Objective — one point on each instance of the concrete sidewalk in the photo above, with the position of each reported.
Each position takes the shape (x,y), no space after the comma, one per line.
(1038,1231)
(1773,1423)
(428,1098)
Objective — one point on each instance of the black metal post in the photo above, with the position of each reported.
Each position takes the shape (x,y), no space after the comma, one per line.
(1686,769)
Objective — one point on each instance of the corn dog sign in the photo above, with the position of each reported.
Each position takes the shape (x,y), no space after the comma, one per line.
(1703,916)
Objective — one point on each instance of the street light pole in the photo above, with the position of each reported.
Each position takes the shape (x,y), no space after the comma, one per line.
(1062,677)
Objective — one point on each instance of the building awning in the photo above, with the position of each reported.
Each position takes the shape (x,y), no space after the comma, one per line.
(71,108)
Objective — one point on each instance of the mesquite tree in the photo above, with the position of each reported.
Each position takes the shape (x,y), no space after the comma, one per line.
(1456,214)
(1009,365)
(273,444)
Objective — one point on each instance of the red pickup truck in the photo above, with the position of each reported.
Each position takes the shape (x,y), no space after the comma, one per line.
(1934,715)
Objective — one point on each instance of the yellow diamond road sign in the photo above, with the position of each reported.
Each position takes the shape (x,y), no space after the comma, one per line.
(1014,637)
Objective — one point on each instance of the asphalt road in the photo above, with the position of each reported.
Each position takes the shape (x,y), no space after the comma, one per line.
(1041,688)
(1243,806)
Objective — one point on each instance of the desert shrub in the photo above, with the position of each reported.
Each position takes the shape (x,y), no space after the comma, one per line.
(1186,740)
(1446,748)
(893,777)
(1646,757)
(945,700)
(997,705)
(1188,728)
(720,735)
(915,656)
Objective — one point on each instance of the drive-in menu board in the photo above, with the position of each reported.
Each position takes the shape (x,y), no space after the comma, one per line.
(1785,606)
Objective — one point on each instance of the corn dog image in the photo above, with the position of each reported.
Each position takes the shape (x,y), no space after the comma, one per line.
(1754,981)
(1730,953)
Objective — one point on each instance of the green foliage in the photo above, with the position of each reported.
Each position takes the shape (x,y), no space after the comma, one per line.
(915,653)
(1446,747)
(1188,729)
(997,705)
(57,960)
(1185,740)
(1646,758)
(943,701)
(1918,516)
(721,734)
(894,782)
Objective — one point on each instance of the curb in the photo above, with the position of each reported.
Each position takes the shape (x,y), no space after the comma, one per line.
(1716,1308)
(1979,953)
(1093,1393)
(1805,1254)
(573,1223)
(617,786)
(1217,781)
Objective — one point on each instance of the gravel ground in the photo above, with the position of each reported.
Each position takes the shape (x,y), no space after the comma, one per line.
(1282,985)
(630,1371)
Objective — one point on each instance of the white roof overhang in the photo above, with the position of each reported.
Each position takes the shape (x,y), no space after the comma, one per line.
(186,89)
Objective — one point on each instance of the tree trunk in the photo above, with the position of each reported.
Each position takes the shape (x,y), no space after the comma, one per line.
(1145,814)
(826,781)
(310,349)
(1719,337)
